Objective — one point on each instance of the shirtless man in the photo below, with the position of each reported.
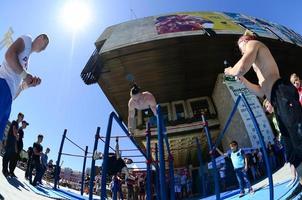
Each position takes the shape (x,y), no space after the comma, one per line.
(13,73)
(281,93)
(140,101)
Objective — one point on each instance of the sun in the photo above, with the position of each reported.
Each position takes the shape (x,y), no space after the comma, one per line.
(76,14)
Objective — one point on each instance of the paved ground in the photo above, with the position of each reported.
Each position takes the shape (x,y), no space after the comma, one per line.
(14,188)
(19,189)
(282,189)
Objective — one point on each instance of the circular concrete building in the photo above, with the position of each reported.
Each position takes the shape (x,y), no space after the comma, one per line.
(179,58)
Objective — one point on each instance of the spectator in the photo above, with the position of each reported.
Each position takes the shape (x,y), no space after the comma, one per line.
(11,148)
(271,155)
(183,182)
(36,161)
(44,159)
(239,161)
(295,80)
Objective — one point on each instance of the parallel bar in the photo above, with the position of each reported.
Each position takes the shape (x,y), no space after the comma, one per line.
(101,138)
(266,159)
(202,182)
(148,146)
(57,175)
(227,124)
(92,173)
(75,155)
(162,168)
(105,158)
(83,170)
(157,173)
(75,144)
(120,123)
(216,178)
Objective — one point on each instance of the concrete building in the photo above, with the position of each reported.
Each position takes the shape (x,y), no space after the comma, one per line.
(178,58)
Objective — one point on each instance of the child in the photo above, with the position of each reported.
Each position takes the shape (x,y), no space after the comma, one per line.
(239,161)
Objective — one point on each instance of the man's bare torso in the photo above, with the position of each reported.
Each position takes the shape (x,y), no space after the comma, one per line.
(266,69)
(143,102)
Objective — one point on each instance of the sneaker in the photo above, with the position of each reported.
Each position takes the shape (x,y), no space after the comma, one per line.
(295,192)
(251,191)
(241,194)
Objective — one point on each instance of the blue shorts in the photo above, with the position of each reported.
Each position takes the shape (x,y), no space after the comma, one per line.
(5,105)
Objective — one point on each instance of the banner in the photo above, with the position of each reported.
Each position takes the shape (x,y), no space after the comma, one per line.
(181,22)
(196,21)
(220,22)
(235,88)
(248,23)
(273,29)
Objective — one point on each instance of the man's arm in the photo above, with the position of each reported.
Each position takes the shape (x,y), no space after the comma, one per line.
(246,61)
(24,85)
(221,153)
(12,53)
(256,89)
(15,131)
(152,103)
(131,115)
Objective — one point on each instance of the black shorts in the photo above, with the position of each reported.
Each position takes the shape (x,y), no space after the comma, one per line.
(288,110)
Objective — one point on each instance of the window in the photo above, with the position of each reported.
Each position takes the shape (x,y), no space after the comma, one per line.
(165,114)
(200,107)
(197,106)
(179,111)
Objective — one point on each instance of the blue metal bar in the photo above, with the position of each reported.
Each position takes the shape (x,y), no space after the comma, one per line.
(83,171)
(258,131)
(227,124)
(105,158)
(92,173)
(171,168)
(149,160)
(106,149)
(201,175)
(162,168)
(157,173)
(57,175)
(216,178)
(120,123)
(72,142)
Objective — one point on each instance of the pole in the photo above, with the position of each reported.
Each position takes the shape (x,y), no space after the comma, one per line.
(57,175)
(92,173)
(162,178)
(83,171)
(216,178)
(149,160)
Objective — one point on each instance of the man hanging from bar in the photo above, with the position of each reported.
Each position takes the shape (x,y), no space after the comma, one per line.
(140,101)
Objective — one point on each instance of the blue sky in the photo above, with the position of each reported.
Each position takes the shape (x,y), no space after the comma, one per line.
(63,100)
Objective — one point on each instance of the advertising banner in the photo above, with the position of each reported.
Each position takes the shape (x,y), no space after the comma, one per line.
(249,24)
(235,88)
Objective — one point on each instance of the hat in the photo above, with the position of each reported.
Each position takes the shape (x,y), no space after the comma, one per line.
(25,122)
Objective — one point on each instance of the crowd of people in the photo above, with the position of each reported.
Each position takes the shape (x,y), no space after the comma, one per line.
(13,145)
